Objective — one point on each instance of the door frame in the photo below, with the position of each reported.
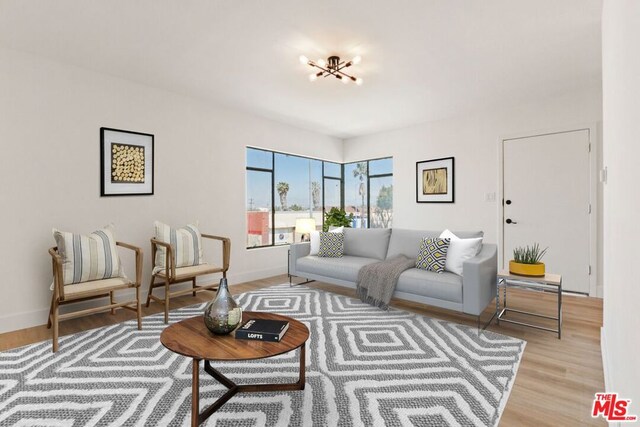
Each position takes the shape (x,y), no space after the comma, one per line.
(594,144)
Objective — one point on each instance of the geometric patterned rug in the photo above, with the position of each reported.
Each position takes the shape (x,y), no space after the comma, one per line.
(365,367)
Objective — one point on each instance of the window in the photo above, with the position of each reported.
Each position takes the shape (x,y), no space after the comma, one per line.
(332,186)
(381,192)
(259,198)
(355,193)
(368,192)
(298,194)
(283,187)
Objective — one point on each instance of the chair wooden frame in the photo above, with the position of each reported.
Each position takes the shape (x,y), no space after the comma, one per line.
(169,277)
(59,298)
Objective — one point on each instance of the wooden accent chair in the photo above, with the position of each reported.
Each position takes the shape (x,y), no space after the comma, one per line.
(171,275)
(91,290)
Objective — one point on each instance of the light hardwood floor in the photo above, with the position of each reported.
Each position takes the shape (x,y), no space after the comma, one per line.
(556,381)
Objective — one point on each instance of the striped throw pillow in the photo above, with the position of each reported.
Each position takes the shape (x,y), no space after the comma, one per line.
(433,254)
(88,257)
(331,245)
(186,242)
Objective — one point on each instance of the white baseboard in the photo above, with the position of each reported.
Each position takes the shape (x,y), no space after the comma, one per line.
(606,368)
(29,319)
(605,360)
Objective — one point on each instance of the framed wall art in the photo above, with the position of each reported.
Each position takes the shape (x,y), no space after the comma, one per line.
(126,163)
(435,181)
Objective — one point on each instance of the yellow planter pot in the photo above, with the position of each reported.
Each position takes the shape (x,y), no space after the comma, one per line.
(532,270)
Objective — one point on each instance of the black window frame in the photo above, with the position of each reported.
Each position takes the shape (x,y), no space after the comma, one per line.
(369,176)
(273,177)
(272,171)
(324,177)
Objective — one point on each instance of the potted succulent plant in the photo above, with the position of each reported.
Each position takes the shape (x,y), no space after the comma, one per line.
(526,261)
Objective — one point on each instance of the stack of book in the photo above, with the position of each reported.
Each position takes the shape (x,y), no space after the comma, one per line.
(262,330)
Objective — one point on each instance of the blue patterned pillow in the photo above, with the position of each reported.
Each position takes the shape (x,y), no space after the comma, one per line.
(433,254)
(331,245)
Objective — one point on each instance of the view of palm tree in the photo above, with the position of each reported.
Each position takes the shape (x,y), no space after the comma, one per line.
(383,212)
(283,189)
(360,172)
(315,195)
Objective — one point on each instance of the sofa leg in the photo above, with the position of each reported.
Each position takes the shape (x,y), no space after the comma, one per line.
(291,284)
(483,326)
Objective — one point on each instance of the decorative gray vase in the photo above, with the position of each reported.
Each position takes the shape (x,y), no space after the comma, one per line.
(222,314)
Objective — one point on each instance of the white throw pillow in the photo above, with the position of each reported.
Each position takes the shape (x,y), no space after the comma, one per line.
(315,239)
(459,251)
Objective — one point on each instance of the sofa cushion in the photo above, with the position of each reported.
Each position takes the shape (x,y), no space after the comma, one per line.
(460,250)
(407,242)
(314,238)
(331,245)
(345,268)
(443,286)
(433,254)
(367,242)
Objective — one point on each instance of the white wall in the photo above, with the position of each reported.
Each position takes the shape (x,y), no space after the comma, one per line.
(474,142)
(621,151)
(50,116)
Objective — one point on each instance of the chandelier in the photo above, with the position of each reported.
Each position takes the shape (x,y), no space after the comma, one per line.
(333,66)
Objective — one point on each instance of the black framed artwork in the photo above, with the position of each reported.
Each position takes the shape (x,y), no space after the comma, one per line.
(435,181)
(126,163)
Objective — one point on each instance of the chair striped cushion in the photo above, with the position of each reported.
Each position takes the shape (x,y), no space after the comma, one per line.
(186,242)
(88,257)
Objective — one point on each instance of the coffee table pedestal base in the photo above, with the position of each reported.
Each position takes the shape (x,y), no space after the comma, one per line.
(198,417)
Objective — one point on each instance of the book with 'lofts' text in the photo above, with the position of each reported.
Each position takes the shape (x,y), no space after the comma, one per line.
(262,330)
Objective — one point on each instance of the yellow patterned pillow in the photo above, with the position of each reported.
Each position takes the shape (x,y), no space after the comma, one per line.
(433,254)
(331,245)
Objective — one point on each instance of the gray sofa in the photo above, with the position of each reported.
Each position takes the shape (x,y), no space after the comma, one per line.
(469,293)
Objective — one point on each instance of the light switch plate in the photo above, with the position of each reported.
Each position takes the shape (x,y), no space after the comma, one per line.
(490,197)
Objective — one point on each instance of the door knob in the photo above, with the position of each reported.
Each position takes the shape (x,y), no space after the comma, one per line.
(508,202)
(510,221)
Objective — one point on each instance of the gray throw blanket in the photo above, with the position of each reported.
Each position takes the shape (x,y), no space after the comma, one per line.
(377,282)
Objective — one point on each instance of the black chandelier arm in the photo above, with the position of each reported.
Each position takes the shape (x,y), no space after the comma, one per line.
(347,75)
(344,64)
(314,65)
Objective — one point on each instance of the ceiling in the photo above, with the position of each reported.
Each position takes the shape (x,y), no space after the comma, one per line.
(422,60)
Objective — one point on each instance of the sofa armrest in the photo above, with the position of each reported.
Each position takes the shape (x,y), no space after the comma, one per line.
(297,251)
(480,275)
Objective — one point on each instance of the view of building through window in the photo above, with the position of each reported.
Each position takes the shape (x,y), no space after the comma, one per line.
(282,188)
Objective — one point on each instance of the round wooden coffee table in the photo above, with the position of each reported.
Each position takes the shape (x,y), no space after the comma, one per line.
(191,338)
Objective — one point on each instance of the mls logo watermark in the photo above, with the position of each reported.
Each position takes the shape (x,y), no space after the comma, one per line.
(612,408)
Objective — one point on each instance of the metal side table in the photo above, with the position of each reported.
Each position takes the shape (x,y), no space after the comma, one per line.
(549,283)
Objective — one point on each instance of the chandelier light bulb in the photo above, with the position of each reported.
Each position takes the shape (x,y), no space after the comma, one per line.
(359,81)
(356,60)
(313,77)
(304,60)
(345,80)
(321,62)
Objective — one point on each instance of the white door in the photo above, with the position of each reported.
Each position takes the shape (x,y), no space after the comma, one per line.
(547,201)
